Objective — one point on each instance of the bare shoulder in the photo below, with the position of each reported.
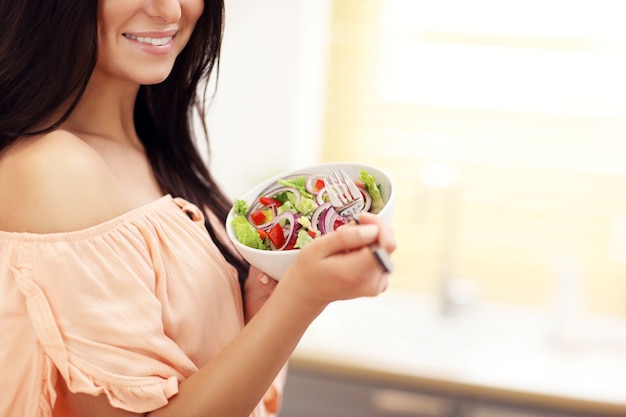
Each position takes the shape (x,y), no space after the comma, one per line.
(54,183)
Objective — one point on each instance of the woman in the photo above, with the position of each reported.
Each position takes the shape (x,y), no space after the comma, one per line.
(119,295)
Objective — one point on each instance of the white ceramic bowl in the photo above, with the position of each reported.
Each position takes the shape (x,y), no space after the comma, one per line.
(275,263)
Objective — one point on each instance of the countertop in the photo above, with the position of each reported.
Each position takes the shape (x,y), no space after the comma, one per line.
(495,351)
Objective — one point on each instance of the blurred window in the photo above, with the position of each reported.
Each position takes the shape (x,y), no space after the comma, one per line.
(503,125)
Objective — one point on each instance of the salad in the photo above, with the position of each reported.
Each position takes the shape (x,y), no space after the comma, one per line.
(294,210)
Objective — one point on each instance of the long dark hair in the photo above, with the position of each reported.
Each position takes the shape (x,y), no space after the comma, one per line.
(39,73)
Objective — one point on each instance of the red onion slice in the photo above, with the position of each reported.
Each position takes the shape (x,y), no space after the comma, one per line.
(289,229)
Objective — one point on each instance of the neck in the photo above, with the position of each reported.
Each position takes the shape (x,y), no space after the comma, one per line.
(106,111)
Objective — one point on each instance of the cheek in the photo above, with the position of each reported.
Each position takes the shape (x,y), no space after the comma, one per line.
(110,13)
(193,10)
(106,44)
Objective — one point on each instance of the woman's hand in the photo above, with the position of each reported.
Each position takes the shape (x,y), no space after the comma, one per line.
(340,265)
(257,289)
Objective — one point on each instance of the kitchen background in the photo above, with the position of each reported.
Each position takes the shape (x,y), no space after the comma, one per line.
(503,126)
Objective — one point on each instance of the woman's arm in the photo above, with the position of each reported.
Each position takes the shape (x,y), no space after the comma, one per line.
(333,267)
(257,289)
(59,184)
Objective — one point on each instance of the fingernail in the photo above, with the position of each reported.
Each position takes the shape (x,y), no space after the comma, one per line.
(264,279)
(368,231)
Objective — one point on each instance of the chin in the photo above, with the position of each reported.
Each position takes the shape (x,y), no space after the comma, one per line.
(154,81)
(156,78)
(150,73)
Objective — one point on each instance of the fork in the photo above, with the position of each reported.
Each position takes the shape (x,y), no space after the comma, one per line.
(348,202)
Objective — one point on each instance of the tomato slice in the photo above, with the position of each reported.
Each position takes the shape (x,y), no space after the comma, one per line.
(268,201)
(319,184)
(276,235)
(262,234)
(258,217)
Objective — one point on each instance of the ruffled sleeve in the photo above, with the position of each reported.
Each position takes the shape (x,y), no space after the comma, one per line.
(127,309)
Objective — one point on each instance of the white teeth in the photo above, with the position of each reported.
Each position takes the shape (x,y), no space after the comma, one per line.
(150,41)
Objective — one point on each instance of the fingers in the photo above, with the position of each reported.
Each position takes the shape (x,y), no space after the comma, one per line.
(344,239)
(385,237)
(341,265)
(268,282)
(257,289)
(260,276)
(359,271)
(371,232)
(271,400)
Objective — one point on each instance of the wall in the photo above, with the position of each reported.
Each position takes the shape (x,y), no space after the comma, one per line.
(267,114)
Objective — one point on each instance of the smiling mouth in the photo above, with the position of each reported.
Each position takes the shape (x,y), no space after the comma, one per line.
(150,41)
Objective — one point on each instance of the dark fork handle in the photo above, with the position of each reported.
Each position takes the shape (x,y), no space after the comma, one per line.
(382,256)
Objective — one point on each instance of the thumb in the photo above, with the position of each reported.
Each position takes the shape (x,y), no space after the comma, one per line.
(347,238)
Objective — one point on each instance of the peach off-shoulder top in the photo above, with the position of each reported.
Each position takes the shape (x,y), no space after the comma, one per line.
(128,308)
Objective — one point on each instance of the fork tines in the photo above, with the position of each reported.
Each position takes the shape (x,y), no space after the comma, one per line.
(349,184)
(348,201)
(344,195)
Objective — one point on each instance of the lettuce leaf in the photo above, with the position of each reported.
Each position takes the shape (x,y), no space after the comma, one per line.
(303,239)
(248,234)
(306,206)
(369,182)
(241,207)
(298,183)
